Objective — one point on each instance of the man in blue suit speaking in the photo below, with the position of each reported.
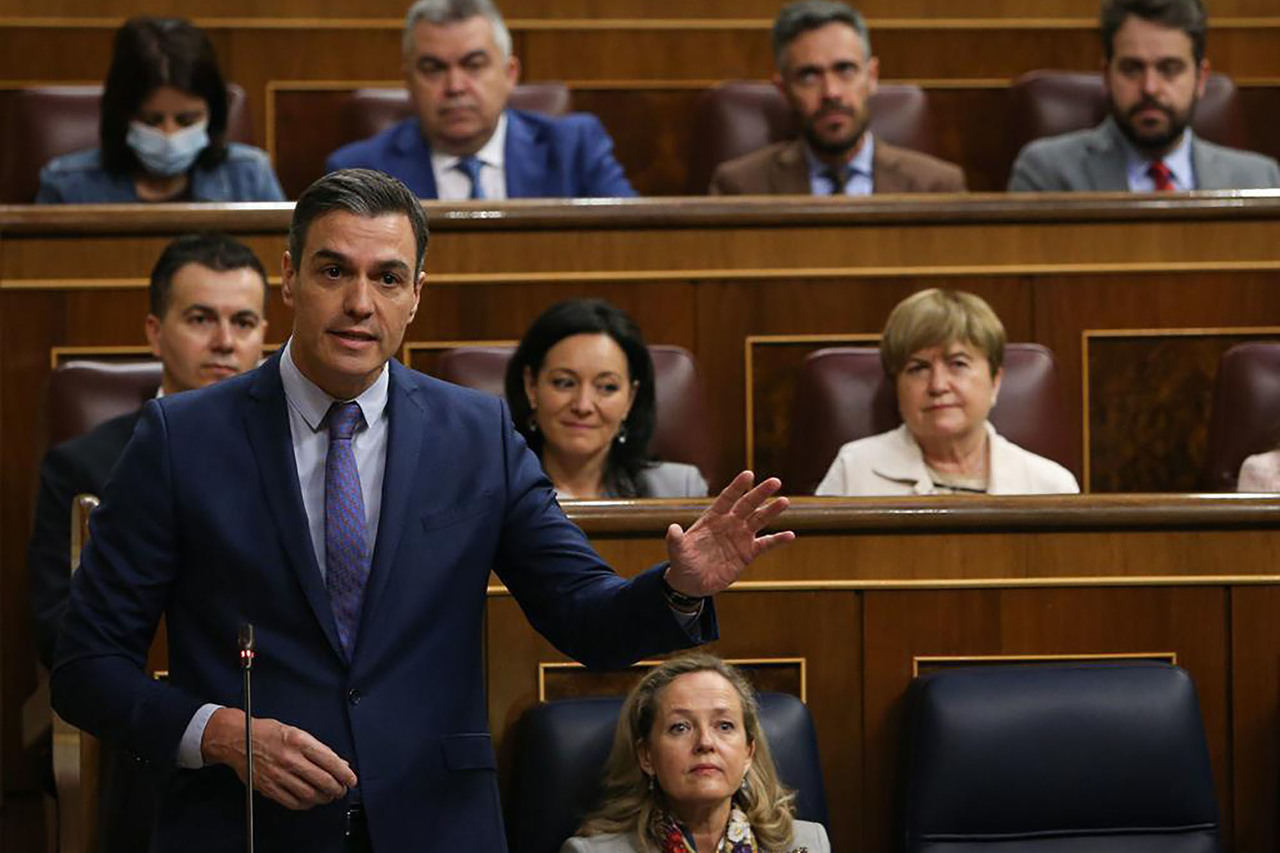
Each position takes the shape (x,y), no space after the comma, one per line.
(464,142)
(351,510)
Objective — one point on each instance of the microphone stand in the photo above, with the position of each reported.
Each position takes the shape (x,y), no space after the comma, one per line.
(246,665)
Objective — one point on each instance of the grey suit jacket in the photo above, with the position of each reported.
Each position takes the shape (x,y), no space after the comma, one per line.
(672,480)
(781,169)
(1094,160)
(811,837)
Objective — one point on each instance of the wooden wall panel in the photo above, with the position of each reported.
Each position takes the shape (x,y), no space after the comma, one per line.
(516,10)
(899,625)
(568,680)
(1255,709)
(652,130)
(1150,399)
(1185,300)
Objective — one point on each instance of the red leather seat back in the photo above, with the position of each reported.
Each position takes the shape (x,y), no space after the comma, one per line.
(1047,103)
(1246,412)
(82,394)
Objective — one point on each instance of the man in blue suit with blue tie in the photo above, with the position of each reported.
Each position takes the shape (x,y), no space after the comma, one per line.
(464,141)
(352,511)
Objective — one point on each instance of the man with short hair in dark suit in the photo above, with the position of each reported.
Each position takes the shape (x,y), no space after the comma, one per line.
(208,297)
(827,73)
(465,142)
(352,510)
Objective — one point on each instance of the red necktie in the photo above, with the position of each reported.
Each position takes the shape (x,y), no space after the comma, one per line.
(1163,178)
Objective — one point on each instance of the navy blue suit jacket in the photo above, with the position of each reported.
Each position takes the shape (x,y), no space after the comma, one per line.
(203,521)
(80,465)
(546,157)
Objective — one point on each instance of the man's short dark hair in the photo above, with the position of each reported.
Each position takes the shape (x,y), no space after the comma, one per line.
(1186,15)
(218,252)
(364,192)
(806,15)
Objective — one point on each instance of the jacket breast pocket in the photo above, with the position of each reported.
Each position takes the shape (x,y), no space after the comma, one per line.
(468,752)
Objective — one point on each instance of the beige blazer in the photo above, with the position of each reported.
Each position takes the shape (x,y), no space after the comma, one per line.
(1260,473)
(892,463)
(781,168)
(811,837)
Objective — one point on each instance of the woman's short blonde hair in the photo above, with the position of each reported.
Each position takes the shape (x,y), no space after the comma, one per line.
(937,317)
(628,802)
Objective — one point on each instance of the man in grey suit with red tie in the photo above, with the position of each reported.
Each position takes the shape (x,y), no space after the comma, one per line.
(1154,70)
(351,510)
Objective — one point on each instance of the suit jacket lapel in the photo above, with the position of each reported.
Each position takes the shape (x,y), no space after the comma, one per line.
(1205,163)
(789,170)
(267,424)
(1105,164)
(407,431)
(415,159)
(525,161)
(886,176)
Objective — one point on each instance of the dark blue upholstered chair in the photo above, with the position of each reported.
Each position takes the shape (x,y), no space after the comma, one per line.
(1104,758)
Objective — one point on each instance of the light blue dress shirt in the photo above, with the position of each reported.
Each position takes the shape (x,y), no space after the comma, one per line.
(1182,173)
(861,181)
(307,406)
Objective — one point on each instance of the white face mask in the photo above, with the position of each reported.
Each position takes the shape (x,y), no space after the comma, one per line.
(167,154)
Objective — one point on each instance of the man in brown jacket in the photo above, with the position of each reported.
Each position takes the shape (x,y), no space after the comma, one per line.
(826,72)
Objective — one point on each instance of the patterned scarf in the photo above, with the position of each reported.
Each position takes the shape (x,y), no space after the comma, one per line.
(738,837)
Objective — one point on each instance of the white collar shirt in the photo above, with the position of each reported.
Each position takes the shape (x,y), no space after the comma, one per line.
(452,184)
(308,406)
(861,178)
(1181,170)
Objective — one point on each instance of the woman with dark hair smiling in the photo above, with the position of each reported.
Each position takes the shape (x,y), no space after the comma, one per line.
(163,129)
(580,388)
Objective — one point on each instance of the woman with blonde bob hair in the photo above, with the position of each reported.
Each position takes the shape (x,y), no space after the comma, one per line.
(944,351)
(690,772)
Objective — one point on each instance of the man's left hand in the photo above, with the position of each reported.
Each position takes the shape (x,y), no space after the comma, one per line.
(713,553)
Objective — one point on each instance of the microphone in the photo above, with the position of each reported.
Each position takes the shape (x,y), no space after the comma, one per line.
(246,665)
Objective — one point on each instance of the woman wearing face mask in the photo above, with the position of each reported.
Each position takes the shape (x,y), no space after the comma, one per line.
(163,129)
(580,388)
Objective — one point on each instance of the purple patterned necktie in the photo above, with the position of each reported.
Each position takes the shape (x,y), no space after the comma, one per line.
(346,547)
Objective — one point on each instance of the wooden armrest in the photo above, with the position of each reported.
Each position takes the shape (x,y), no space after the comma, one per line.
(75,775)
